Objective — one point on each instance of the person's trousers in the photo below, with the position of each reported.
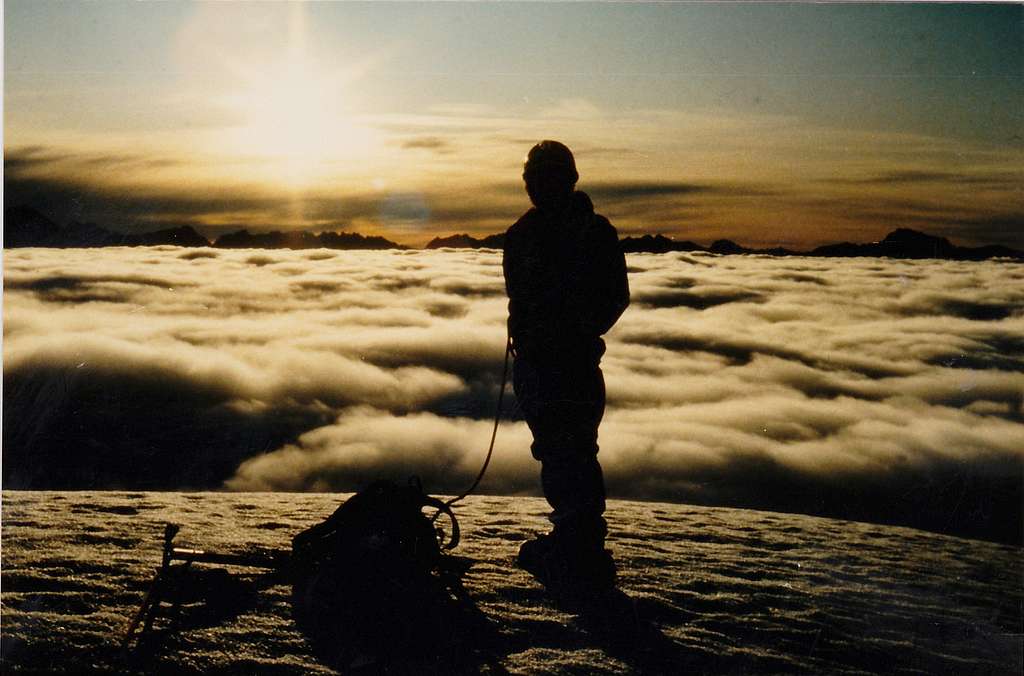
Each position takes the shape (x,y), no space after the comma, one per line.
(563,402)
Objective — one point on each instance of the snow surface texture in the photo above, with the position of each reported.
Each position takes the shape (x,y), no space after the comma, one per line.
(718,591)
(873,389)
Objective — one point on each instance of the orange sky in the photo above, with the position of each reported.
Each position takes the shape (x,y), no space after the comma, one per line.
(787,125)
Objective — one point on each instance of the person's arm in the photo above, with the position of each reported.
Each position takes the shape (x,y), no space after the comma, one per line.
(612,293)
(512,264)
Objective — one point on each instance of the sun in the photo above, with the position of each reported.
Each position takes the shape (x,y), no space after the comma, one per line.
(295,116)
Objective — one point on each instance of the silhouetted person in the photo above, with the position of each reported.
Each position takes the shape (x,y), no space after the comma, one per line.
(566,280)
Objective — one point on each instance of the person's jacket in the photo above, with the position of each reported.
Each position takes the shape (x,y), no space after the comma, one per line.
(565,275)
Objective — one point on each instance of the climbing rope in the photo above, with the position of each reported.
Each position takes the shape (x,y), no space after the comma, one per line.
(494,432)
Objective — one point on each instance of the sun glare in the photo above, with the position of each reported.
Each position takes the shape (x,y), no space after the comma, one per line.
(297,120)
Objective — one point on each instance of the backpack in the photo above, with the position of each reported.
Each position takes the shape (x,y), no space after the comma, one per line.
(358,576)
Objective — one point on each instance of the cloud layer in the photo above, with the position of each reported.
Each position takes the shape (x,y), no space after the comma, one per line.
(858,388)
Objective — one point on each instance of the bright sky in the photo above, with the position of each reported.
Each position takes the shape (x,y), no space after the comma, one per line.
(791,124)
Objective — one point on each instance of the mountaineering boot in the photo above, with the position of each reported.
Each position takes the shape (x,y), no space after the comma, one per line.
(565,568)
(537,557)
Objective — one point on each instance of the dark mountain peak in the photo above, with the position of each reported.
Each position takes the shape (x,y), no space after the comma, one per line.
(181,236)
(243,239)
(24,226)
(907,243)
(461,241)
(727,246)
(467,241)
(353,240)
(842,249)
(656,244)
(908,235)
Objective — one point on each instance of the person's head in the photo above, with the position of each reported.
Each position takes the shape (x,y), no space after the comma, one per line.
(550,175)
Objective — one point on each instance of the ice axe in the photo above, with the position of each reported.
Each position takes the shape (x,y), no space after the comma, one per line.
(161,589)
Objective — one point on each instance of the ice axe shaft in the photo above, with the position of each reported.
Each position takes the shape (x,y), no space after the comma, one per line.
(270,561)
(155,591)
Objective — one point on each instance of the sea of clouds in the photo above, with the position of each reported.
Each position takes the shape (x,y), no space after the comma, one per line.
(859,388)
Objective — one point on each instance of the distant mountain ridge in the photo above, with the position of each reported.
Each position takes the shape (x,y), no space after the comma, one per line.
(243,239)
(900,243)
(465,241)
(26,227)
